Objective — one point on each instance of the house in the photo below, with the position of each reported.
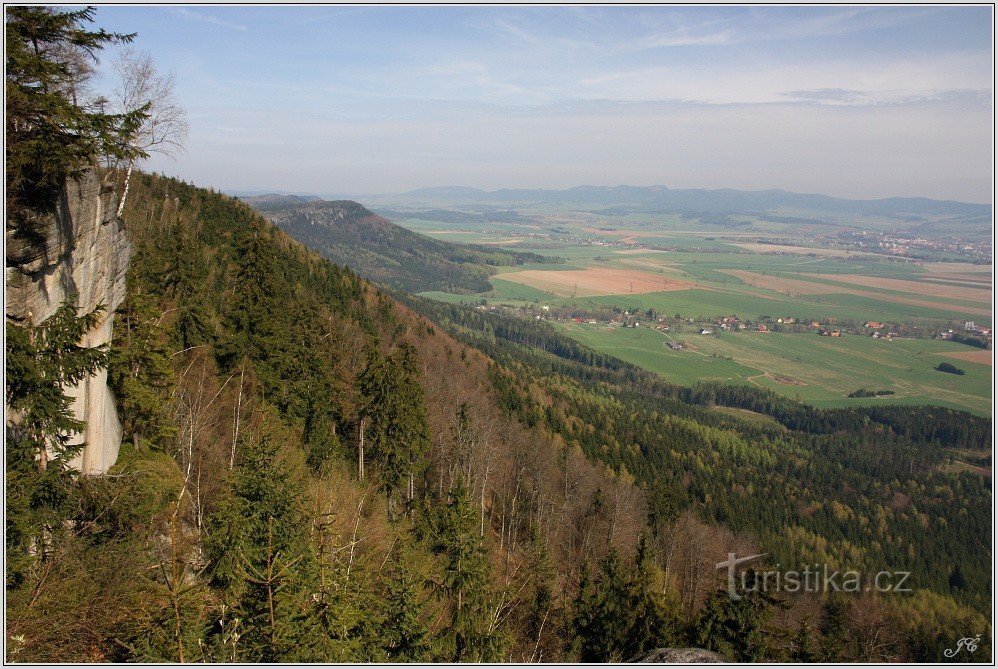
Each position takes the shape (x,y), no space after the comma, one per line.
(675,346)
(790,320)
(705,331)
(763,328)
(836,333)
(576,320)
(876,325)
(815,324)
(876,335)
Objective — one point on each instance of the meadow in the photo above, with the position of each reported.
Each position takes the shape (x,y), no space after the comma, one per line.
(704,276)
(818,370)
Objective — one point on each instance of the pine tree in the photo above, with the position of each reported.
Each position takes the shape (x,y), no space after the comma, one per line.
(735,628)
(802,651)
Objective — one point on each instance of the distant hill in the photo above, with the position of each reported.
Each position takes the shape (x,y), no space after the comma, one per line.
(277,199)
(663,199)
(351,235)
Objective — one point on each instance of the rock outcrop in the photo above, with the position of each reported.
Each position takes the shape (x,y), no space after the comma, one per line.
(81,250)
(680,656)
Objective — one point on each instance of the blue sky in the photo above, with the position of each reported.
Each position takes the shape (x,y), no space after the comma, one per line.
(850,101)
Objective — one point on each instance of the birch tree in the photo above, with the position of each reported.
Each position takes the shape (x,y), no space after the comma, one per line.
(141,86)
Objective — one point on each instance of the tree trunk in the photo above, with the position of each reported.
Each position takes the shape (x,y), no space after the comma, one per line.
(360,453)
(124,192)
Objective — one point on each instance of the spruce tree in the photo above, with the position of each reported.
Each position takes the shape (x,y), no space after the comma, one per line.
(603,617)
(470,636)
(51,134)
(404,637)
(141,372)
(42,360)
(261,557)
(655,617)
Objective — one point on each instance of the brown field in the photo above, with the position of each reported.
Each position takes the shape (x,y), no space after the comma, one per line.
(596,281)
(784,285)
(981,357)
(913,287)
(956,281)
(801,287)
(957,268)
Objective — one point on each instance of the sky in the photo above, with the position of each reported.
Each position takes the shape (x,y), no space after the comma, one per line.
(860,102)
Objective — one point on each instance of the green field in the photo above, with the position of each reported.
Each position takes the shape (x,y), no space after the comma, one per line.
(818,370)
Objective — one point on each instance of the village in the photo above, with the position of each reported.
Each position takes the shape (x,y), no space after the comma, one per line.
(967,332)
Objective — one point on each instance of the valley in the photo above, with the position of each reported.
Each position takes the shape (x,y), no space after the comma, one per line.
(793,279)
(451,425)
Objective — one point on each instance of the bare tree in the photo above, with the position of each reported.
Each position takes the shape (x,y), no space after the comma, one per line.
(141,85)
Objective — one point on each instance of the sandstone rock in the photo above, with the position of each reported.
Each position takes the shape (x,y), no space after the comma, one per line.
(680,655)
(82,250)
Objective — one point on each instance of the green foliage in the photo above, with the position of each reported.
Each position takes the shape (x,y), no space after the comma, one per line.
(949,369)
(735,628)
(141,372)
(619,615)
(42,360)
(404,636)
(471,635)
(398,432)
(260,554)
(350,235)
(602,616)
(50,134)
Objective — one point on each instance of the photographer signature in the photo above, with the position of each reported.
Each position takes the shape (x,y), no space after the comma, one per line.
(969,642)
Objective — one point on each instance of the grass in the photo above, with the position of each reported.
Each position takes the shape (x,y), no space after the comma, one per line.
(818,370)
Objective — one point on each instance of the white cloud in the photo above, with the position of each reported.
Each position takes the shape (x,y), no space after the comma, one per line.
(207,18)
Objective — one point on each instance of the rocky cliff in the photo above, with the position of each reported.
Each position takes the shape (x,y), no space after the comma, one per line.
(81,250)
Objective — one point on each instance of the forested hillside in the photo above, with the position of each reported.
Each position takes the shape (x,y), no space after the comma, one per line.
(350,235)
(314,470)
(296,438)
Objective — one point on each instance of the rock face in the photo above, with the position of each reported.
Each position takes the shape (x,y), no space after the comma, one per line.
(680,656)
(82,250)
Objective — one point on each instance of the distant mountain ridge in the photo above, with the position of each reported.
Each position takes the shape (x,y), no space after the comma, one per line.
(662,198)
(351,235)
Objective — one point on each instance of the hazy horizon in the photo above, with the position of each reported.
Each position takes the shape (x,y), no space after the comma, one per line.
(853,102)
(347,195)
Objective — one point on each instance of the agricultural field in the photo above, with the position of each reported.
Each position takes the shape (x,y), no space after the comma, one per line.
(672,266)
(818,370)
